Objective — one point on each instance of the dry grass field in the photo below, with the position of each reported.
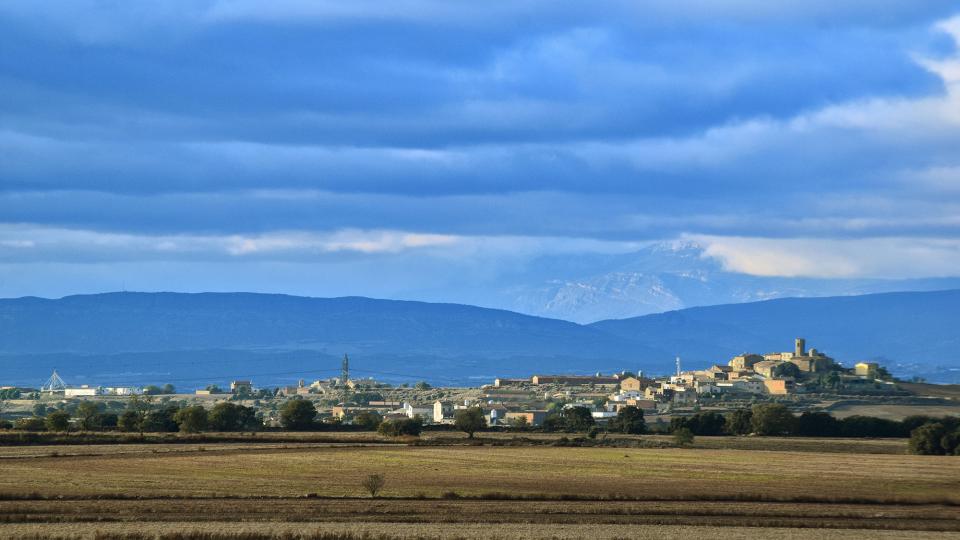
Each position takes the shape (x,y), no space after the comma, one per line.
(895,411)
(738,486)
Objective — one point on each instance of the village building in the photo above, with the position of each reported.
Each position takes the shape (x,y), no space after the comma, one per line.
(501,381)
(531,418)
(82,391)
(241,387)
(744,362)
(413,410)
(868,370)
(573,379)
(779,387)
(442,412)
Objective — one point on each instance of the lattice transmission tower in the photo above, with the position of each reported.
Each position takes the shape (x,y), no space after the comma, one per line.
(54,384)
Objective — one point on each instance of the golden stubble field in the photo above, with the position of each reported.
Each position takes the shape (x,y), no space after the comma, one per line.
(247,470)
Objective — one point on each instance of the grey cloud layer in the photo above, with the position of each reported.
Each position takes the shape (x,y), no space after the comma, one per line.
(622,121)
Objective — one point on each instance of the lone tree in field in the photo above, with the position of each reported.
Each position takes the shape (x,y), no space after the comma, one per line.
(469,420)
(373,484)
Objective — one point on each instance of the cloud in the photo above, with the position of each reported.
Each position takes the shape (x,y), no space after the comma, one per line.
(225,131)
(833,258)
(44,244)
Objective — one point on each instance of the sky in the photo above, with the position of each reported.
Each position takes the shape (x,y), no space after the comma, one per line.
(391,148)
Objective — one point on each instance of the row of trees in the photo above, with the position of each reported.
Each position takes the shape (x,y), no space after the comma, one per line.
(774,419)
(142,417)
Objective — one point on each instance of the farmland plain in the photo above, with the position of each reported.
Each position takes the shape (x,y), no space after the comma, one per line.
(485,489)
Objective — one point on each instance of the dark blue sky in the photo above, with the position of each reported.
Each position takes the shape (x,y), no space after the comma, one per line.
(382,148)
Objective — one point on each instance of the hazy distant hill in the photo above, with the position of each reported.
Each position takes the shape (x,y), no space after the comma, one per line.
(157,335)
(916,330)
(193,339)
(660,277)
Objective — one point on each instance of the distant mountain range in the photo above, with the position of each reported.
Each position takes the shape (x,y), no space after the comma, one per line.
(195,339)
(661,277)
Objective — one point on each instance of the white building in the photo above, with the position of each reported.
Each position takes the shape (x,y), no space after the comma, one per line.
(82,391)
(122,391)
(412,410)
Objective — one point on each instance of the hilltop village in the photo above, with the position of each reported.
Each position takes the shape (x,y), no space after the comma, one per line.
(804,379)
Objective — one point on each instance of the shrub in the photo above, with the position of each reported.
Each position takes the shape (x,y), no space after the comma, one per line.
(683,436)
(373,484)
(403,426)
(34,423)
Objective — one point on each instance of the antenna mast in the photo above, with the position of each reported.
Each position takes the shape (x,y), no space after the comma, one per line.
(678,366)
(54,384)
(345,370)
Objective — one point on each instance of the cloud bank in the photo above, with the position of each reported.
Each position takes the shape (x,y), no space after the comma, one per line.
(439,139)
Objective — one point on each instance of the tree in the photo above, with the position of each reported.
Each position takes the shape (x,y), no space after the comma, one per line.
(683,436)
(422,385)
(191,419)
(86,411)
(102,421)
(926,439)
(373,484)
(57,421)
(226,416)
(160,420)
(152,390)
(629,419)
(129,421)
(368,420)
(213,389)
(705,423)
(772,419)
(169,389)
(469,420)
(577,419)
(298,415)
(786,369)
(817,424)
